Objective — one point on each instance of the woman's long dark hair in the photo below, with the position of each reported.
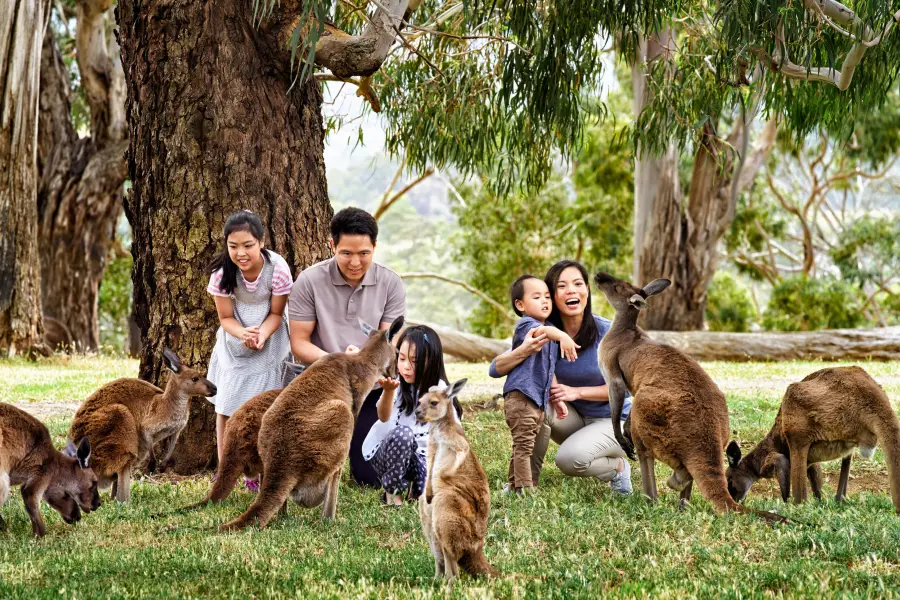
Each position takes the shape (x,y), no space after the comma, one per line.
(588,333)
(429,369)
(243,220)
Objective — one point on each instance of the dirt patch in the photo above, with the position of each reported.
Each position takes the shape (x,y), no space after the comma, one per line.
(44,410)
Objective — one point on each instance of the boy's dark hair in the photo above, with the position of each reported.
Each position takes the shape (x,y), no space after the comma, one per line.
(243,220)
(588,333)
(517,290)
(353,221)
(429,369)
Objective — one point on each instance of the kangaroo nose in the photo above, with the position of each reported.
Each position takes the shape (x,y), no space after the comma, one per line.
(212,390)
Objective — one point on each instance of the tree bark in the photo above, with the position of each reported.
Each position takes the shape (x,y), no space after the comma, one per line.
(677,238)
(214,126)
(467,347)
(22,24)
(80,194)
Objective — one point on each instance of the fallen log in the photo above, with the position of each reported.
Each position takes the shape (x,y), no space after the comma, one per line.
(830,344)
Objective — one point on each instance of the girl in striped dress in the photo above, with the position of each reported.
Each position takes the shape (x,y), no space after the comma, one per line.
(250,285)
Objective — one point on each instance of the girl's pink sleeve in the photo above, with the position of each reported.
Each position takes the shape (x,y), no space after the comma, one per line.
(214,281)
(282,282)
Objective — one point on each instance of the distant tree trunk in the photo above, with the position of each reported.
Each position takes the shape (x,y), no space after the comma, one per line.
(214,126)
(22,24)
(80,195)
(674,237)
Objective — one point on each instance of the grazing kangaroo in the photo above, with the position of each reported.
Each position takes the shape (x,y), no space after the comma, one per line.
(127,417)
(304,438)
(57,336)
(241,452)
(454,508)
(28,458)
(770,459)
(678,414)
(828,414)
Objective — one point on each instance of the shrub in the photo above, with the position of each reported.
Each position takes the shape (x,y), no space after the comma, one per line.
(728,304)
(807,304)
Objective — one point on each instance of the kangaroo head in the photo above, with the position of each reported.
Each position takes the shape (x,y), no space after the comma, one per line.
(188,380)
(438,402)
(76,479)
(380,349)
(622,295)
(739,474)
(63,503)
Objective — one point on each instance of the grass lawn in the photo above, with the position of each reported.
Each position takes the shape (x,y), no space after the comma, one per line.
(573,539)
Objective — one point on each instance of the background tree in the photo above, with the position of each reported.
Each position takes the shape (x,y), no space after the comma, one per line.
(81,176)
(22,24)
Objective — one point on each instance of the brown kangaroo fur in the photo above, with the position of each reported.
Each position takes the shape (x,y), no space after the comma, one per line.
(454,508)
(831,412)
(28,458)
(304,437)
(241,453)
(678,414)
(127,417)
(770,459)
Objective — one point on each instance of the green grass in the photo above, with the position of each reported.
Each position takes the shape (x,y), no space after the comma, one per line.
(573,539)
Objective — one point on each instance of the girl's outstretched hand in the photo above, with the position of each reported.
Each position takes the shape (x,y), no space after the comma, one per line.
(387,383)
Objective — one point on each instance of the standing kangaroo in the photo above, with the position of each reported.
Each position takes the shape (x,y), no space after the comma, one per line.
(824,417)
(454,508)
(240,454)
(678,414)
(28,458)
(127,417)
(304,438)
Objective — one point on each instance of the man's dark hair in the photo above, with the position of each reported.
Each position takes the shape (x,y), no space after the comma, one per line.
(353,221)
(517,290)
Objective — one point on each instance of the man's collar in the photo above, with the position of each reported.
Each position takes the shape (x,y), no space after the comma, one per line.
(370,278)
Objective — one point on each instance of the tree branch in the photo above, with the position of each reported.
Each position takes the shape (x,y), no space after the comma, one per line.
(365,91)
(426,275)
(386,204)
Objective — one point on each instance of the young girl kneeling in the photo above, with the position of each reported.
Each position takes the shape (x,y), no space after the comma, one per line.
(397,443)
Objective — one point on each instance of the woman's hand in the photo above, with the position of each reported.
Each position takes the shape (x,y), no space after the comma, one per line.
(388,384)
(563,393)
(532,343)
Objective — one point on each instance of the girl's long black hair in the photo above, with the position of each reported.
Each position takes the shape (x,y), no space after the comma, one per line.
(588,333)
(429,369)
(243,220)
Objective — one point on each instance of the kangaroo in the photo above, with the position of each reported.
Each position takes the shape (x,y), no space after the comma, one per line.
(678,415)
(304,437)
(57,336)
(127,417)
(241,453)
(828,414)
(770,458)
(454,508)
(28,458)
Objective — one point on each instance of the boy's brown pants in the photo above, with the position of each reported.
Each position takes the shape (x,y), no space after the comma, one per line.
(529,442)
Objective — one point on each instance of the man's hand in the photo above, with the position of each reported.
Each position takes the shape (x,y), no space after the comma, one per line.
(351,349)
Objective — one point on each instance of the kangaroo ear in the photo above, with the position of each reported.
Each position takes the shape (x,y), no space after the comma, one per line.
(83,454)
(656,286)
(396,326)
(638,302)
(171,360)
(733,451)
(70,449)
(366,328)
(454,390)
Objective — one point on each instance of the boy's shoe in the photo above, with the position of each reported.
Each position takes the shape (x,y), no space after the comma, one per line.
(621,483)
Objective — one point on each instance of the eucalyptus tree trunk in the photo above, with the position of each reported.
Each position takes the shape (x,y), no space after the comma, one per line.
(22,24)
(214,126)
(677,237)
(80,194)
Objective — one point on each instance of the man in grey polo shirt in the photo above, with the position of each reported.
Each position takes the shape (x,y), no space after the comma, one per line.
(328,300)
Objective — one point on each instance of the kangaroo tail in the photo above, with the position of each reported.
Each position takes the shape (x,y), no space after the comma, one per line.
(273,493)
(888,431)
(475,564)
